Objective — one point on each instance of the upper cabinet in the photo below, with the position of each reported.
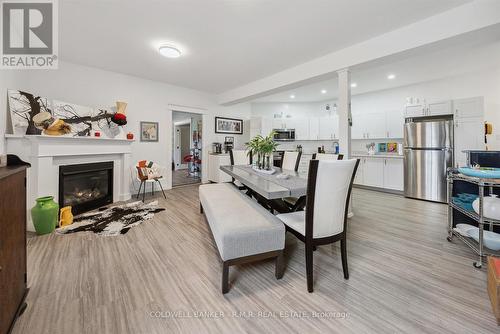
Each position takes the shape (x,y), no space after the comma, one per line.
(301,126)
(314,128)
(279,123)
(328,128)
(260,126)
(415,110)
(394,123)
(429,109)
(467,108)
(439,108)
(469,127)
(377,125)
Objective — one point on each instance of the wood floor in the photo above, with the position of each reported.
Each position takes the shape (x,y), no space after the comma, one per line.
(160,276)
(180,177)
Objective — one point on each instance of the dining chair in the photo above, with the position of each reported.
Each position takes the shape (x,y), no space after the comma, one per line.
(295,203)
(324,220)
(240,157)
(327,156)
(291,160)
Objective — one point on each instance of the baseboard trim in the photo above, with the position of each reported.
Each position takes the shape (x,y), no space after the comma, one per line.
(383,190)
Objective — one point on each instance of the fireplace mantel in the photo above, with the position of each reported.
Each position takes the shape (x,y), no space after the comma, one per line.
(47,153)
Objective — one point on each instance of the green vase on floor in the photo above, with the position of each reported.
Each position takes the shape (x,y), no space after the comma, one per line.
(44,215)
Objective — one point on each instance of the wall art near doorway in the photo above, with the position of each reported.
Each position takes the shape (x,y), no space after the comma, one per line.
(149,131)
(228,125)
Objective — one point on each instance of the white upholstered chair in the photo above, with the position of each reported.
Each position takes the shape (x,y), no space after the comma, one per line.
(324,220)
(291,160)
(293,202)
(240,157)
(327,156)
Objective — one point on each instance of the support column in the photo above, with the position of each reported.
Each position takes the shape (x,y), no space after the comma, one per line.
(344,111)
(345,118)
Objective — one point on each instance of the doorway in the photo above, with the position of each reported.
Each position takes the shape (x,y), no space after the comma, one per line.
(186,150)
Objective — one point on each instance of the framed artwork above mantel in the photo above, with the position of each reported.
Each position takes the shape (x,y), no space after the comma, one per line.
(228,125)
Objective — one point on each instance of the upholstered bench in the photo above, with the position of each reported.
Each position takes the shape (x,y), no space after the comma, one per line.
(243,230)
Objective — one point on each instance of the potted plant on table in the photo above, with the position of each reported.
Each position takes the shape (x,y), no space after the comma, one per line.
(262,148)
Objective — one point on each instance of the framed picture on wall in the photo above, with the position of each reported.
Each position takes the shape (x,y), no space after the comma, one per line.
(149,131)
(228,125)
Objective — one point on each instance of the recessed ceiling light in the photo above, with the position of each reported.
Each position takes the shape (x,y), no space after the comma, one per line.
(391,76)
(169,51)
(323,91)
(292,96)
(354,85)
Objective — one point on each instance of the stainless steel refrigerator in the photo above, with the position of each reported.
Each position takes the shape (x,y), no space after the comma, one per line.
(428,152)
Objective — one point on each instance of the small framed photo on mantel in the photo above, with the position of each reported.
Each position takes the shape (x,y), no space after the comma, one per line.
(149,131)
(228,125)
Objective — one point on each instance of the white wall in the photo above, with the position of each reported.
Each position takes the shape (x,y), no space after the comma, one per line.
(147,101)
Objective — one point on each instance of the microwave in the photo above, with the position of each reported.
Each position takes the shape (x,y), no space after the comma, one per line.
(284,134)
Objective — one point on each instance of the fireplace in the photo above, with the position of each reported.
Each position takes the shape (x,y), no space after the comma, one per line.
(85,187)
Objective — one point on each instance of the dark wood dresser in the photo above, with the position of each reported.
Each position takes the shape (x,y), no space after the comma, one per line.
(13,285)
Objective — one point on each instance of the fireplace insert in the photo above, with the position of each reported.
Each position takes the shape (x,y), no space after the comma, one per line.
(86,186)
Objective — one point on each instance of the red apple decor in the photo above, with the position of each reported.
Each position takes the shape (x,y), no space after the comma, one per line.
(130,136)
(97,134)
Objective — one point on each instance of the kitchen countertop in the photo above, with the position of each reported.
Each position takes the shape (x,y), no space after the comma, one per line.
(377,155)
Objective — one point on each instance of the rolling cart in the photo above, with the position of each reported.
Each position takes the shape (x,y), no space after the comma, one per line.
(484,186)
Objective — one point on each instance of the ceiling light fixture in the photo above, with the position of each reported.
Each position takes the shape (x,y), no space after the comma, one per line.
(391,76)
(169,51)
(292,96)
(323,91)
(354,85)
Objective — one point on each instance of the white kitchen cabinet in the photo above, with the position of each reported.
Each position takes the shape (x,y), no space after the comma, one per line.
(394,124)
(328,127)
(373,172)
(469,135)
(358,129)
(439,108)
(301,126)
(214,163)
(369,126)
(467,108)
(279,123)
(260,126)
(380,172)
(374,125)
(415,110)
(429,109)
(267,126)
(469,127)
(393,174)
(358,179)
(314,128)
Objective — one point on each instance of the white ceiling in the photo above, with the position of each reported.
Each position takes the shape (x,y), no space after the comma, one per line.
(226,43)
(463,54)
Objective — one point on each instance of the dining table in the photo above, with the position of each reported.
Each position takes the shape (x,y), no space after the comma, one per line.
(270,186)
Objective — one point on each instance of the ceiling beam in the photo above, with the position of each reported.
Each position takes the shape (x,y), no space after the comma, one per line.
(464,19)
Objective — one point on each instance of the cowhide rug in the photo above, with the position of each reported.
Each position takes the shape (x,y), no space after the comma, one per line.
(114,220)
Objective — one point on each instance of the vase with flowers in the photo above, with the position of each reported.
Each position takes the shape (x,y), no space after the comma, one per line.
(262,148)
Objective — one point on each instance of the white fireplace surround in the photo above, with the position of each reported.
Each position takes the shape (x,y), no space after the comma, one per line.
(47,153)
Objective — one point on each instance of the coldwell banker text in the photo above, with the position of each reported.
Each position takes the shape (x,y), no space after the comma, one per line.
(29,34)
